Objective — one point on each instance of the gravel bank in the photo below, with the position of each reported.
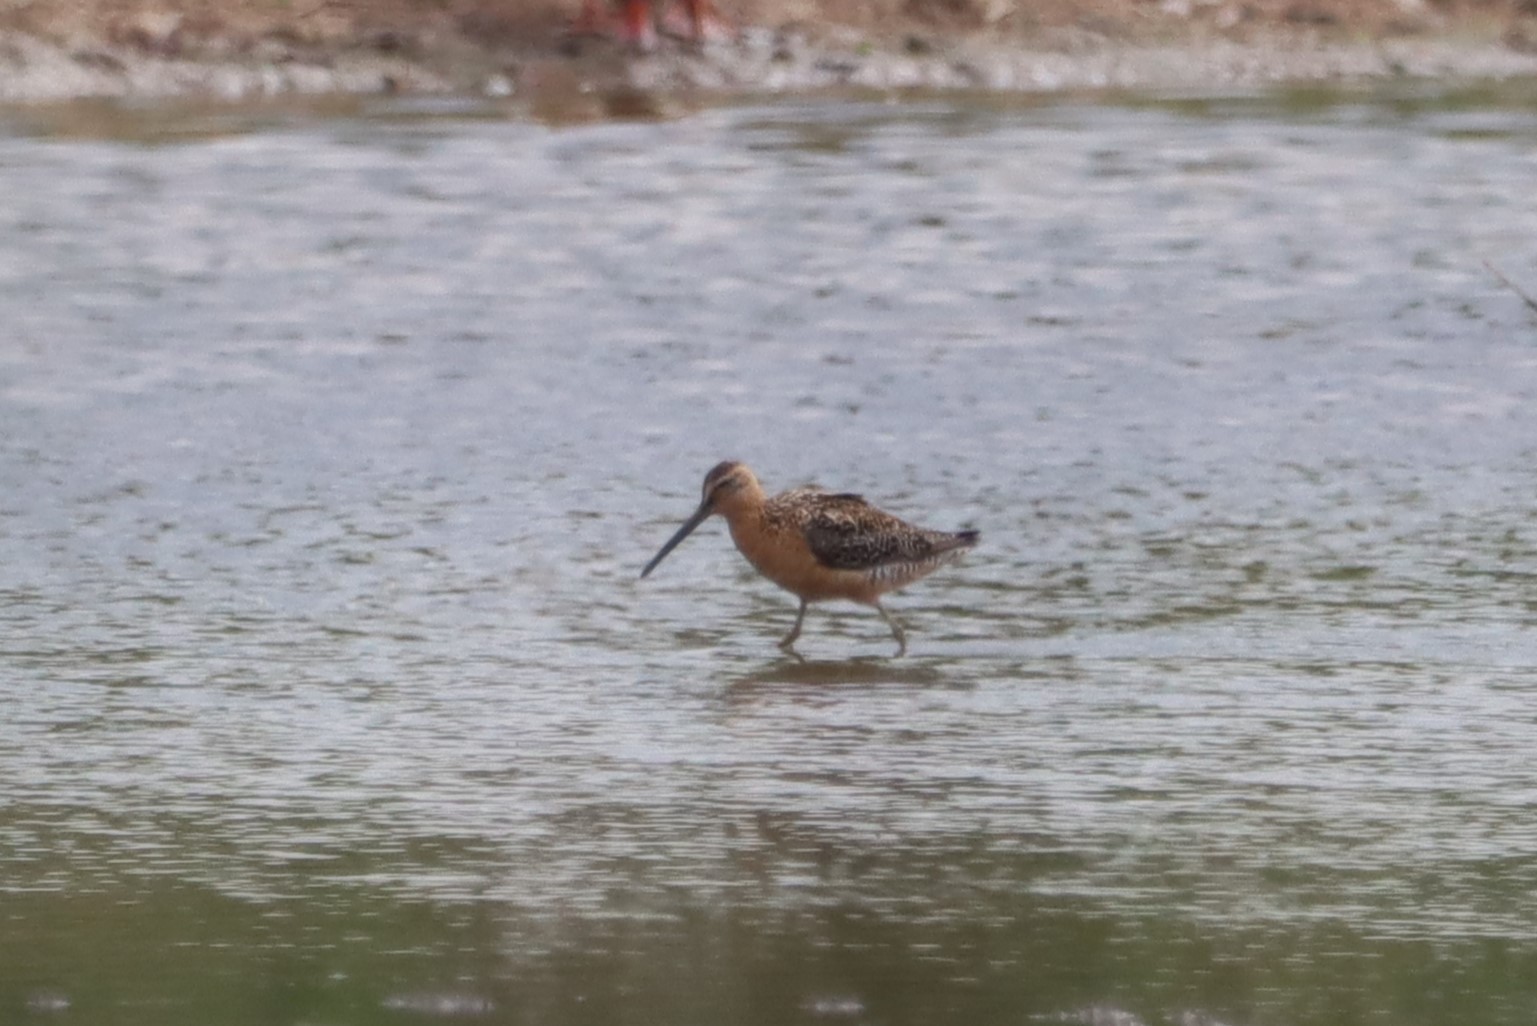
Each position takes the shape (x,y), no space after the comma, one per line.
(252,51)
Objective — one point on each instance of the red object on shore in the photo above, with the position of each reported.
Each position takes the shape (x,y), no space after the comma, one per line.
(637,23)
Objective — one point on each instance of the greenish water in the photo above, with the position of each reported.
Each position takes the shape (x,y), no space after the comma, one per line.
(330,450)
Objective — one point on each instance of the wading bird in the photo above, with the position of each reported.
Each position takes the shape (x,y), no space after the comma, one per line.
(819,545)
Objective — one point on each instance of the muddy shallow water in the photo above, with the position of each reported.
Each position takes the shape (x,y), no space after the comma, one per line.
(330,450)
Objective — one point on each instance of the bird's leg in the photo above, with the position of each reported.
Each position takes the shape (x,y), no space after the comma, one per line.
(704,23)
(896,629)
(788,642)
(592,19)
(639,29)
(635,25)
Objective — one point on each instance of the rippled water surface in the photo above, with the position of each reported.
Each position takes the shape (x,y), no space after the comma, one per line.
(330,449)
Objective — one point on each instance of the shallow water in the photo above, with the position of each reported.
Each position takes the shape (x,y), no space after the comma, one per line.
(330,449)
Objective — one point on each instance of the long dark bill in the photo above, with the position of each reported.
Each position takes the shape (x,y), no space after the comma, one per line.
(692,522)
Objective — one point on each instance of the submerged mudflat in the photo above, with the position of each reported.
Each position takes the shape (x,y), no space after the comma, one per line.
(331,447)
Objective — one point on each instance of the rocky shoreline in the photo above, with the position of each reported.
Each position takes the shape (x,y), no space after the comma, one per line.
(157,53)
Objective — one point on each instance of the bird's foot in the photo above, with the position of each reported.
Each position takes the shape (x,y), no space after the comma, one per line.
(896,630)
(704,24)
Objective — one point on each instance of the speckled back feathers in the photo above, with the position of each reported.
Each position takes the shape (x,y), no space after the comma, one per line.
(844,532)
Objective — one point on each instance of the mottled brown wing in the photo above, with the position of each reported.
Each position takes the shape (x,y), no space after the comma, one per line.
(846,533)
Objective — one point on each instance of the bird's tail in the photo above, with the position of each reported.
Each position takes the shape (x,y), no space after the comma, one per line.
(964,539)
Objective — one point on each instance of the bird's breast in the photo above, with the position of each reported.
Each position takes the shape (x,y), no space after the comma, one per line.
(780,553)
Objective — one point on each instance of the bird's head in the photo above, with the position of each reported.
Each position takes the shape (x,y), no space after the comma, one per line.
(727,487)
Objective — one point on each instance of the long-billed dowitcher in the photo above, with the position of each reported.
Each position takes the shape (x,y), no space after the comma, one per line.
(820,545)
